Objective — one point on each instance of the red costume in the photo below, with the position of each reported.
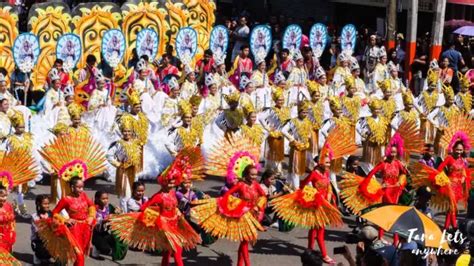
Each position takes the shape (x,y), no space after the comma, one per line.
(286,66)
(322,183)
(459,177)
(310,206)
(79,209)
(160,224)
(236,215)
(206,67)
(168,70)
(241,66)
(7,227)
(393,175)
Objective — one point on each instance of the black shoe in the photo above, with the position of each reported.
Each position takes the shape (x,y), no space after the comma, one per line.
(98,257)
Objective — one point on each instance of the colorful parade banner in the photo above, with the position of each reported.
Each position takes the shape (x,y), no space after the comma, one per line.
(147,43)
(113,47)
(186,43)
(219,40)
(26,50)
(260,40)
(348,38)
(69,49)
(318,38)
(292,37)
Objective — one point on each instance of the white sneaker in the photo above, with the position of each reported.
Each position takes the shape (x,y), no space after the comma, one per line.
(274,225)
(36,261)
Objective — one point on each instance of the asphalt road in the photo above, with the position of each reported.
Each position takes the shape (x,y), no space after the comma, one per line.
(272,248)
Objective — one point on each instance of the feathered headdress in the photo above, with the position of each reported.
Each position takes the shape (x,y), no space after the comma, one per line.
(312,86)
(231,161)
(209,80)
(320,72)
(407,98)
(59,129)
(434,64)
(463,80)
(54,74)
(297,55)
(141,65)
(349,81)
(382,52)
(219,59)
(195,100)
(354,64)
(279,77)
(340,142)
(188,165)
(248,108)
(75,110)
(16,167)
(375,104)
(184,108)
(244,82)
(76,155)
(232,98)
(461,128)
(385,85)
(303,105)
(277,93)
(397,142)
(335,103)
(392,67)
(133,97)
(433,77)
(448,92)
(17,119)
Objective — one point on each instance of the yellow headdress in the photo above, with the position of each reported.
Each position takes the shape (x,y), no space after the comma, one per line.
(433,77)
(232,98)
(303,105)
(185,108)
(463,81)
(248,108)
(195,100)
(59,128)
(75,110)
(375,104)
(133,98)
(277,93)
(335,103)
(407,98)
(126,122)
(17,119)
(385,85)
(448,92)
(350,82)
(313,86)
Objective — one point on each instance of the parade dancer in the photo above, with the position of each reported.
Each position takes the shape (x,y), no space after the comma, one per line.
(312,206)
(463,98)
(298,132)
(272,121)
(69,239)
(125,156)
(452,180)
(185,135)
(236,215)
(159,225)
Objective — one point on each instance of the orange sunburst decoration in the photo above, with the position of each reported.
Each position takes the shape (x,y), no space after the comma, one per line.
(17,167)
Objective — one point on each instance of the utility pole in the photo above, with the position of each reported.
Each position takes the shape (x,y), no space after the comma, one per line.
(411,37)
(391,23)
(437,30)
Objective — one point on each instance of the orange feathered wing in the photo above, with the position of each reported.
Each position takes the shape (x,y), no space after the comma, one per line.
(439,183)
(462,123)
(20,165)
(140,230)
(58,240)
(307,209)
(359,193)
(340,142)
(412,140)
(7,259)
(213,221)
(65,149)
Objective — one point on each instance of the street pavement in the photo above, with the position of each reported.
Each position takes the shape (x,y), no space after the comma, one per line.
(272,248)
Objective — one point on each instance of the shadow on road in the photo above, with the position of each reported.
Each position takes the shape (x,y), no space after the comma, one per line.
(25,258)
(193,258)
(279,247)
